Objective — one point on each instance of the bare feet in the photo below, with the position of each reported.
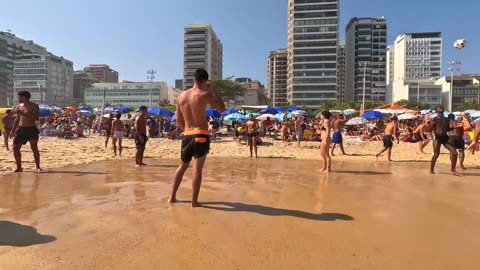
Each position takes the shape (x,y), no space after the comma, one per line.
(143,164)
(40,170)
(332,154)
(390,160)
(433,172)
(18,170)
(196,204)
(455,173)
(376,157)
(463,167)
(172,200)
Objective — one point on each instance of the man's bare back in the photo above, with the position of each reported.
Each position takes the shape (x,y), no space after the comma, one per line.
(8,122)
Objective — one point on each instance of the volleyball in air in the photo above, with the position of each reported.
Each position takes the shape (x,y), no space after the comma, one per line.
(460,44)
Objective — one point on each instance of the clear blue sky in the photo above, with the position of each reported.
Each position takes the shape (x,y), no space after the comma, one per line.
(133,36)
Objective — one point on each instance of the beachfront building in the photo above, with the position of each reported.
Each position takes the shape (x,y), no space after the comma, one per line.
(179,84)
(48,78)
(254,93)
(103,73)
(466,88)
(366,53)
(277,77)
(202,49)
(131,94)
(81,81)
(12,46)
(341,72)
(312,51)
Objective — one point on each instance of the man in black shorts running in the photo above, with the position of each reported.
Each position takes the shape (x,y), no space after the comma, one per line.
(456,138)
(390,133)
(441,126)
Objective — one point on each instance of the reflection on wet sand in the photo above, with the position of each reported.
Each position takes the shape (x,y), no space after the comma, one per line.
(266,213)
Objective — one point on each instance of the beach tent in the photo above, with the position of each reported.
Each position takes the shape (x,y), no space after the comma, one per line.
(264,117)
(235,117)
(269,110)
(159,112)
(213,112)
(229,111)
(356,121)
(372,115)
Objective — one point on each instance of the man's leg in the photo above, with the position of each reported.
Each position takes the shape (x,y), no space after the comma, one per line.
(390,154)
(436,153)
(381,152)
(114,145)
(36,153)
(250,144)
(142,152)
(333,148)
(18,157)
(461,156)
(120,147)
(343,150)
(106,141)
(254,141)
(453,158)
(178,180)
(5,138)
(197,179)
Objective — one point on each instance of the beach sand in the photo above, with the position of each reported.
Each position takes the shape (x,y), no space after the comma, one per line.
(266,213)
(56,152)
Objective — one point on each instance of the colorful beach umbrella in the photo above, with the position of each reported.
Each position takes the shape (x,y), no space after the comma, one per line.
(357,121)
(70,109)
(229,111)
(236,117)
(406,116)
(159,112)
(372,115)
(264,117)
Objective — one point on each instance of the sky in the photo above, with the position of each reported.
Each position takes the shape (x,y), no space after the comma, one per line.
(135,36)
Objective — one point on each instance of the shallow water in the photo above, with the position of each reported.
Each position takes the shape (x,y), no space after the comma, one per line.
(257,214)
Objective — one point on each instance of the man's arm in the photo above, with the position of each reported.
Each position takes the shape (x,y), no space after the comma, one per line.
(215,99)
(180,118)
(395,132)
(474,146)
(15,125)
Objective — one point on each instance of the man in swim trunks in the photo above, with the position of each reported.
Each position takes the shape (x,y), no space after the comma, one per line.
(299,129)
(474,146)
(141,136)
(455,136)
(191,107)
(25,129)
(440,137)
(117,134)
(107,126)
(252,134)
(420,137)
(390,133)
(338,122)
(8,119)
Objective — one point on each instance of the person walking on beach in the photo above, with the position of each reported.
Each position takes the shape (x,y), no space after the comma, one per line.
(338,122)
(299,129)
(420,137)
(191,107)
(440,137)
(252,134)
(390,133)
(455,136)
(107,126)
(118,133)
(325,131)
(141,136)
(25,129)
(8,119)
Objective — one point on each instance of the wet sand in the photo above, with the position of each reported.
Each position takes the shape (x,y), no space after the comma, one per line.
(257,214)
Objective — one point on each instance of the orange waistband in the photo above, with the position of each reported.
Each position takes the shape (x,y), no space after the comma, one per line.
(196,132)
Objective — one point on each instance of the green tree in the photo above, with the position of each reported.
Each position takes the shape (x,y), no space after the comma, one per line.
(471,105)
(163,103)
(229,90)
(412,104)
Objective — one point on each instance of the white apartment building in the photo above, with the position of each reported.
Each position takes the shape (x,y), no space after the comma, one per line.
(48,78)
(202,49)
(277,77)
(312,51)
(130,94)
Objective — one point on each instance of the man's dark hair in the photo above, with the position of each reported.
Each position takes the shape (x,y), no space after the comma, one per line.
(439,109)
(8,111)
(451,116)
(201,75)
(24,94)
(143,108)
(394,118)
(326,114)
(118,116)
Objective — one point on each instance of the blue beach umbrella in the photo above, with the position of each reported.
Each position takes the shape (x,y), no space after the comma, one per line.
(299,112)
(349,111)
(372,115)
(159,112)
(235,117)
(85,108)
(423,112)
(445,114)
(280,116)
(121,109)
(85,112)
(269,110)
(44,112)
(476,121)
(174,118)
(294,108)
(213,112)
(229,111)
(279,110)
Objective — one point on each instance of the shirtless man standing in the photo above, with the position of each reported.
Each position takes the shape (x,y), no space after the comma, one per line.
(440,137)
(474,146)
(390,134)
(338,122)
(420,137)
(108,128)
(252,134)
(141,136)
(25,129)
(8,120)
(299,129)
(118,131)
(455,136)
(191,108)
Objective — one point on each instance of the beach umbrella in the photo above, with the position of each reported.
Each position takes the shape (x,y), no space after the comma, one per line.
(85,112)
(269,110)
(349,111)
(159,112)
(299,112)
(406,116)
(174,118)
(121,109)
(294,108)
(476,121)
(457,113)
(264,117)
(280,116)
(255,114)
(445,114)
(357,121)
(372,115)
(229,111)
(70,109)
(235,117)
(44,112)
(335,112)
(213,112)
(475,115)
(423,112)
(471,111)
(279,110)
(85,108)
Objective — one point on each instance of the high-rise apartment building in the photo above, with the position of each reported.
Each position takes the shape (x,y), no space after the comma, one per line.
(341,72)
(48,78)
(179,84)
(202,49)
(12,46)
(81,81)
(366,58)
(103,73)
(312,51)
(277,77)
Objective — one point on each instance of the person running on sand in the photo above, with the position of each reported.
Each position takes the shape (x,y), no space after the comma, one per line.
(252,134)
(391,130)
(140,136)
(8,119)
(455,136)
(474,146)
(420,137)
(118,133)
(299,129)
(440,137)
(325,131)
(25,129)
(338,122)
(191,107)
(107,126)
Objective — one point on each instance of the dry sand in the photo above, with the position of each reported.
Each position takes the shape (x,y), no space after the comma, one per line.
(57,152)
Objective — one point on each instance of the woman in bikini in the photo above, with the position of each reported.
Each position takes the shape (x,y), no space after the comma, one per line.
(325,131)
